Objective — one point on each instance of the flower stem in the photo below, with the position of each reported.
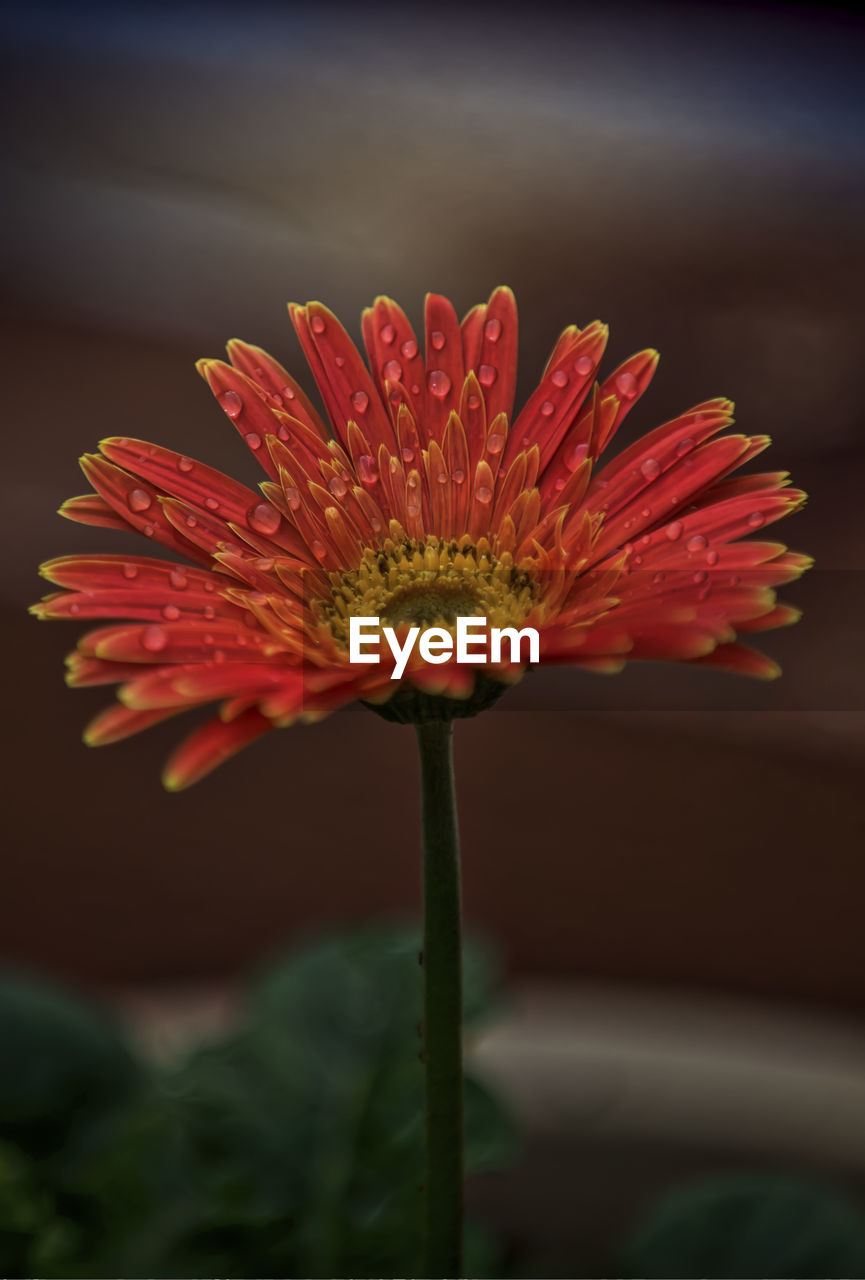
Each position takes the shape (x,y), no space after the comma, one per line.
(442,961)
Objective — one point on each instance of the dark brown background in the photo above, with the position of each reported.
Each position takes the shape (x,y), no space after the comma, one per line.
(694,176)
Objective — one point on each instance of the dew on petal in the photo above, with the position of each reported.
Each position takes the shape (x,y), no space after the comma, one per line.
(646,512)
(559,485)
(317,324)
(487,375)
(185,464)
(415,389)
(626,385)
(407,453)
(339,361)
(178,579)
(264,518)
(473,402)
(319,550)
(412,505)
(484,494)
(575,455)
(288,393)
(231,403)
(387,334)
(559,378)
(439,383)
(409,349)
(207,638)
(711,557)
(697,543)
(338,487)
(493,329)
(253,439)
(392,371)
(442,477)
(139,500)
(437,339)
(548,408)
(366,469)
(292,497)
(130,571)
(700,576)
(496,443)
(211,504)
(360,400)
(154,639)
(583,365)
(650,468)
(755,519)
(684,446)
(459,475)
(658,578)
(674,530)
(170,612)
(209,612)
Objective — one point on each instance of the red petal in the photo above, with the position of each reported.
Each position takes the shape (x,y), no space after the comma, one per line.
(210,745)
(445,372)
(118,722)
(496,363)
(269,374)
(137,502)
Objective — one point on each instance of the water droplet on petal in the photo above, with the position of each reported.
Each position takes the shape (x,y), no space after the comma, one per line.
(437,339)
(473,402)
(658,578)
(548,408)
(493,329)
(264,518)
(366,468)
(711,557)
(288,393)
(207,638)
(75,608)
(171,612)
(412,505)
(442,477)
(338,487)
(700,576)
(209,613)
(292,497)
(339,361)
(674,530)
(139,500)
(231,403)
(439,383)
(496,443)
(646,512)
(684,446)
(575,455)
(584,365)
(277,400)
(697,543)
(626,385)
(209,585)
(253,439)
(360,400)
(487,375)
(559,378)
(130,571)
(484,494)
(409,349)
(650,468)
(211,504)
(282,431)
(319,550)
(317,324)
(178,579)
(755,519)
(559,485)
(458,476)
(154,639)
(407,454)
(185,464)
(387,333)
(392,371)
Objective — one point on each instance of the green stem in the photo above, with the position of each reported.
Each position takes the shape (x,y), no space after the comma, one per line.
(442,961)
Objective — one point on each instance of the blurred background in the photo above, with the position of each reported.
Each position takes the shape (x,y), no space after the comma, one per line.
(669,863)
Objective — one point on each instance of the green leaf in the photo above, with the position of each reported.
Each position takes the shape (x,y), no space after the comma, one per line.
(735,1228)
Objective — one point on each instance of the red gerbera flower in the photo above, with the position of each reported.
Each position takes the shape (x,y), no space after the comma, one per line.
(428,500)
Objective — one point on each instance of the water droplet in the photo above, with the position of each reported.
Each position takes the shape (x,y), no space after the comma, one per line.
(292,497)
(559,485)
(626,385)
(209,613)
(207,638)
(442,477)
(548,408)
(231,403)
(674,530)
(700,576)
(711,557)
(487,375)
(559,378)
(650,468)
(412,505)
(658,578)
(755,519)
(75,608)
(277,400)
(154,639)
(282,431)
(407,454)
(149,530)
(366,468)
(139,500)
(684,446)
(459,475)
(288,393)
(253,439)
(211,504)
(484,494)
(473,402)
(388,333)
(178,579)
(338,487)
(575,455)
(170,612)
(646,512)
(697,543)
(584,365)
(360,400)
(185,464)
(437,339)
(264,518)
(130,571)
(319,550)
(209,585)
(339,361)
(496,443)
(629,524)
(317,324)
(415,389)
(265,564)
(409,349)
(493,329)
(439,383)
(392,371)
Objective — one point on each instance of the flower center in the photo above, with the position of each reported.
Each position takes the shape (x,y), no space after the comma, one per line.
(428,583)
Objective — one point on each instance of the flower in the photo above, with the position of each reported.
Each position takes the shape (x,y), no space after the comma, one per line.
(427,501)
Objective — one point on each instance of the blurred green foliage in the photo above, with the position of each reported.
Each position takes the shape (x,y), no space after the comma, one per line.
(292,1147)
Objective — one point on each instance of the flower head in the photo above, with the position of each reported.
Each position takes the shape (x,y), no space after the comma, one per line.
(425,499)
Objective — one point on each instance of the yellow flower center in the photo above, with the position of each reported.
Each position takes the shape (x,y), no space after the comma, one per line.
(428,583)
